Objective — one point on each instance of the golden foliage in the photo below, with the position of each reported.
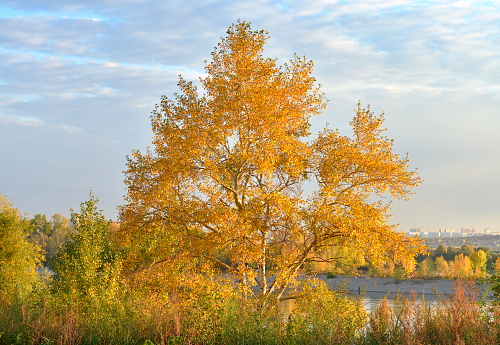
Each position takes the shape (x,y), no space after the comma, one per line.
(228,171)
(18,258)
(330,314)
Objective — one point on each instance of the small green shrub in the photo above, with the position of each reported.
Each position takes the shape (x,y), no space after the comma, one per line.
(331,275)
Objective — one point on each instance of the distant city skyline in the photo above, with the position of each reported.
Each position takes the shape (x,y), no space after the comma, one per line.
(79,79)
(449,232)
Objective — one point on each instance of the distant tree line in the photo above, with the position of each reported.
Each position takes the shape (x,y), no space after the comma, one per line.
(48,234)
(216,224)
(479,240)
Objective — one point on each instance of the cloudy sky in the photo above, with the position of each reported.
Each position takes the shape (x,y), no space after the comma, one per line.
(78,80)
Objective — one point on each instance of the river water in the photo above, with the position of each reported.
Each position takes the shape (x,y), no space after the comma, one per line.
(373,290)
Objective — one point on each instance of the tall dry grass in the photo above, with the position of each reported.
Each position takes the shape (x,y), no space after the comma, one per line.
(143,319)
(456,319)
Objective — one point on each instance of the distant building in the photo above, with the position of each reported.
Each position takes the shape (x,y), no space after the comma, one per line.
(446,232)
(419,232)
(469,232)
(487,231)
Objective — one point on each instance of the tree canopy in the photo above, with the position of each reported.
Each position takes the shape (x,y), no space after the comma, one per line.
(18,258)
(237,170)
(50,235)
(87,267)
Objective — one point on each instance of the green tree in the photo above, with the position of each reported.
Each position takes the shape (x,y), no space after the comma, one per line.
(228,171)
(494,281)
(18,258)
(426,267)
(50,235)
(478,261)
(451,252)
(466,250)
(40,225)
(440,250)
(442,267)
(347,260)
(88,265)
(39,230)
(484,249)
(491,258)
(61,231)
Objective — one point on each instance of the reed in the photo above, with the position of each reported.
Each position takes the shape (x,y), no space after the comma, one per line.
(457,319)
(144,319)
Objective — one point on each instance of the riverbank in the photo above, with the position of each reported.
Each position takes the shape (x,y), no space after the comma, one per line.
(373,287)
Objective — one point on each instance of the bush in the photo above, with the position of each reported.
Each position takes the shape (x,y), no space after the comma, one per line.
(18,258)
(87,267)
(323,316)
(458,319)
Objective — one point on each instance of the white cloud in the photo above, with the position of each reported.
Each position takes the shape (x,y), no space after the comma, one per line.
(32,121)
(28,121)
(69,129)
(89,73)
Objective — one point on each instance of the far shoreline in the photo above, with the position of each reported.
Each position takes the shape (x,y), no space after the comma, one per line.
(379,287)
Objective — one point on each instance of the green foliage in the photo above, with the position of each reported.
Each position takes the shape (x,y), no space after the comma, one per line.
(426,268)
(440,250)
(323,316)
(18,258)
(333,260)
(39,225)
(466,249)
(452,263)
(491,258)
(141,319)
(330,275)
(478,261)
(494,281)
(451,252)
(87,267)
(442,267)
(49,235)
(458,319)
(399,274)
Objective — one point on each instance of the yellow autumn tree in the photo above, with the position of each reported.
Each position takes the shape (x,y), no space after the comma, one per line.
(235,170)
(19,258)
(462,267)
(478,262)
(442,267)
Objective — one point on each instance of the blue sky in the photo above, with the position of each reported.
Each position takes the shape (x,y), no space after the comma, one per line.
(78,81)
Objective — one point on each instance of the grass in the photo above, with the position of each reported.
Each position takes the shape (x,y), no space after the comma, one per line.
(457,319)
(328,318)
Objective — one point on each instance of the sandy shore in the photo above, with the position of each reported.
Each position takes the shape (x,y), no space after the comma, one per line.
(379,287)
